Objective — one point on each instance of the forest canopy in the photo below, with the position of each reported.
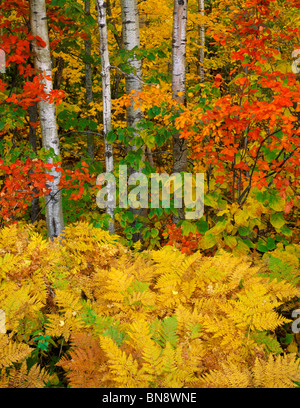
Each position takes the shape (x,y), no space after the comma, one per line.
(201,97)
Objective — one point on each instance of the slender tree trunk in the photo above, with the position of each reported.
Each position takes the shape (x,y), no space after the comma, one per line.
(89,83)
(42,62)
(179,84)
(106,97)
(131,39)
(59,73)
(33,117)
(202,42)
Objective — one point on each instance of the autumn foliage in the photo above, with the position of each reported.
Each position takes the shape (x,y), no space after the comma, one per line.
(110,317)
(192,303)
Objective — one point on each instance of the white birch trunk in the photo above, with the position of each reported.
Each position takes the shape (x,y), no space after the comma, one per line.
(179,78)
(131,39)
(89,82)
(42,61)
(106,97)
(202,42)
(179,85)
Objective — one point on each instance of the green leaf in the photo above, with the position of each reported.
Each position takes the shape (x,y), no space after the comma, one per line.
(188,227)
(202,226)
(262,196)
(146,234)
(230,241)
(271,244)
(111,136)
(128,216)
(277,220)
(261,246)
(244,231)
(286,231)
(276,202)
(154,111)
(219,227)
(117,336)
(249,243)
(154,233)
(287,339)
(209,240)
(271,344)
(211,200)
(168,331)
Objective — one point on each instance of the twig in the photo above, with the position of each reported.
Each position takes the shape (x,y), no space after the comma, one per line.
(131,75)
(247,190)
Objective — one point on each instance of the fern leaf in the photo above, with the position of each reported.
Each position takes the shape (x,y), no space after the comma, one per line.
(230,376)
(276,372)
(35,377)
(12,352)
(124,369)
(86,366)
(271,345)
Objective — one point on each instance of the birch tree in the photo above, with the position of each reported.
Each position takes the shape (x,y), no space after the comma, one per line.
(50,140)
(33,117)
(179,84)
(106,97)
(89,81)
(131,39)
(179,78)
(202,42)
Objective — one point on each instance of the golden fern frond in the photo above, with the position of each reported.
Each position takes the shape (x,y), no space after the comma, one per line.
(187,360)
(9,263)
(38,287)
(116,286)
(11,351)
(68,302)
(86,365)
(19,302)
(173,370)
(35,377)
(255,309)
(276,372)
(60,325)
(140,340)
(4,380)
(143,268)
(125,371)
(282,290)
(189,322)
(230,376)
(144,299)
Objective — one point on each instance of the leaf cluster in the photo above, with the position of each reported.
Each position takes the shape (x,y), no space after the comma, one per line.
(130,319)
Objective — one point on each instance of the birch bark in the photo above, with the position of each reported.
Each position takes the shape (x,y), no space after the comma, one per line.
(202,43)
(179,85)
(179,78)
(42,62)
(106,97)
(131,39)
(33,117)
(89,82)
